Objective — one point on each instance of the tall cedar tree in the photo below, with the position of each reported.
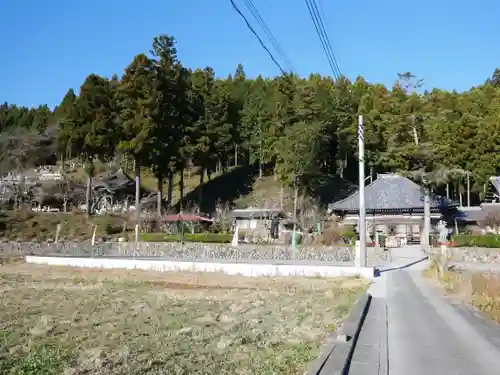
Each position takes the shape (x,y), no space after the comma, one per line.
(90,126)
(172,93)
(138,98)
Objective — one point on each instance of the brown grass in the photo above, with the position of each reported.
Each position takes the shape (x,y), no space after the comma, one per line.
(26,225)
(480,289)
(79,321)
(148,181)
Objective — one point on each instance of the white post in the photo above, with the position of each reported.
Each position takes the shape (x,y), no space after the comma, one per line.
(93,235)
(294,234)
(468,190)
(361,250)
(136,234)
(427,219)
(235,237)
(58,231)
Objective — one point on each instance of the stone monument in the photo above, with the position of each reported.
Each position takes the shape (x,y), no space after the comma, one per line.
(443,232)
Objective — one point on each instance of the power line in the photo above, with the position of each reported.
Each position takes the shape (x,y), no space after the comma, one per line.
(323,15)
(322,11)
(256,15)
(325,33)
(323,37)
(257,36)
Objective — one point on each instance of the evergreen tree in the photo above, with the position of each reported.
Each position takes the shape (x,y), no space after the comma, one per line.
(138,97)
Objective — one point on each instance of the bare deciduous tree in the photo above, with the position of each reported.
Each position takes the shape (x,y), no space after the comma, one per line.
(222,218)
(66,188)
(491,220)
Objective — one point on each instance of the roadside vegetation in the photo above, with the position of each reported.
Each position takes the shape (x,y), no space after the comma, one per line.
(188,237)
(79,321)
(480,289)
(489,240)
(25,225)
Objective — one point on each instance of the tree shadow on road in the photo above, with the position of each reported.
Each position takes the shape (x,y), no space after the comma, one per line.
(379,272)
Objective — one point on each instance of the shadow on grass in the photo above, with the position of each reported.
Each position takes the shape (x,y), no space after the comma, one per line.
(225,188)
(239,182)
(332,188)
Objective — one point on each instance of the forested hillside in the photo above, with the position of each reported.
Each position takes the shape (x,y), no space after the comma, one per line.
(163,117)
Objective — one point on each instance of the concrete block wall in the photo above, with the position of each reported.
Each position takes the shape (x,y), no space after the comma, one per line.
(184,252)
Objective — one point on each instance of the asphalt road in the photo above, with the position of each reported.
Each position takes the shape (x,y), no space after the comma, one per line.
(427,335)
(424,331)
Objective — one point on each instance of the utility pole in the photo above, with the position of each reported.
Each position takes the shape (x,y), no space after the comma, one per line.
(468,188)
(427,192)
(294,234)
(361,249)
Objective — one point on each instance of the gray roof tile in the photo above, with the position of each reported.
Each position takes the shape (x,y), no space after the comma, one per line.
(495,181)
(391,191)
(470,214)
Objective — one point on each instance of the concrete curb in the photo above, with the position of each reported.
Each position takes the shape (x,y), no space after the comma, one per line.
(231,268)
(317,365)
(336,355)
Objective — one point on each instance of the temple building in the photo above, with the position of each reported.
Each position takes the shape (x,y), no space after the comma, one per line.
(395,208)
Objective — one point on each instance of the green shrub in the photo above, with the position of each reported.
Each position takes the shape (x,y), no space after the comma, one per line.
(113,229)
(188,237)
(152,237)
(434,240)
(349,234)
(488,240)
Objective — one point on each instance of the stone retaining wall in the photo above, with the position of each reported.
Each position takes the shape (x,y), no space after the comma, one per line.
(177,251)
(475,254)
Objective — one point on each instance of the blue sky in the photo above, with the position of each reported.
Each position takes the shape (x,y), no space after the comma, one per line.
(50,46)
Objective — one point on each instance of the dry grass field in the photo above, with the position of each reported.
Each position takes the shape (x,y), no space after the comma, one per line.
(58,320)
(480,289)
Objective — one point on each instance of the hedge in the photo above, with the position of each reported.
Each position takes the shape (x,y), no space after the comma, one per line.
(188,237)
(488,240)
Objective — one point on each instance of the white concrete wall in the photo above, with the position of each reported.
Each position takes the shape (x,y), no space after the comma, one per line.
(245,269)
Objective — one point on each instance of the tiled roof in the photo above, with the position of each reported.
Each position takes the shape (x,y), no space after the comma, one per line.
(495,181)
(185,217)
(470,214)
(391,191)
(256,213)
